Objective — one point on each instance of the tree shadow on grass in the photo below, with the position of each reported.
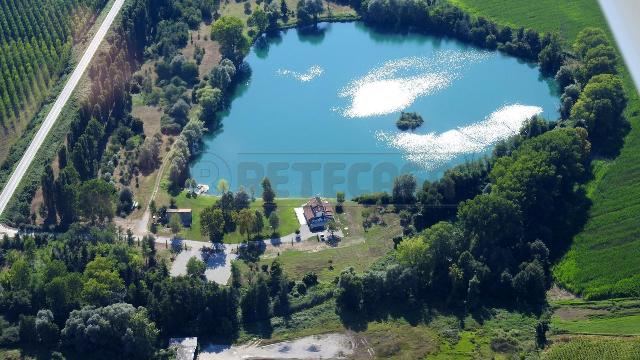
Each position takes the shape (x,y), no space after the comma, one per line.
(262,329)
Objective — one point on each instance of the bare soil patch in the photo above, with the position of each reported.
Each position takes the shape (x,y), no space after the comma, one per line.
(574,313)
(211,48)
(150,116)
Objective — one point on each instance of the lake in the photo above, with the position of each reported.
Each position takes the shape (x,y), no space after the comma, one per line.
(317,115)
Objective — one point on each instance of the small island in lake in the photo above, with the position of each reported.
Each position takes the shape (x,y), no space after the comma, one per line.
(409,121)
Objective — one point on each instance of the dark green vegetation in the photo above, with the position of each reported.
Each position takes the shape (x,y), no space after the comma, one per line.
(93,267)
(36,41)
(610,235)
(409,121)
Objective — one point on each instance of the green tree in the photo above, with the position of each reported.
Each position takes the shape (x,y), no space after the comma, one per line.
(47,331)
(601,105)
(228,31)
(66,195)
(274,221)
(210,99)
(340,201)
(121,332)
(246,220)
(268,197)
(212,223)
(175,224)
(222,186)
(96,199)
(195,268)
(256,304)
(259,20)
(223,75)
(258,226)
(551,57)
(413,252)
(349,294)
(49,195)
(404,188)
(103,284)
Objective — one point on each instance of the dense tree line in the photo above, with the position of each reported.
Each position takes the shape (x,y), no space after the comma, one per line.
(442,18)
(94,293)
(36,39)
(498,246)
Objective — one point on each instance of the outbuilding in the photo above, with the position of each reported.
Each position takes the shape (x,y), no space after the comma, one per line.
(184,215)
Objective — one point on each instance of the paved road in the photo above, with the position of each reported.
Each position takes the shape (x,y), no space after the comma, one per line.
(62,99)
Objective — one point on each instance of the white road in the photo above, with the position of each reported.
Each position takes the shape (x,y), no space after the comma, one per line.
(62,99)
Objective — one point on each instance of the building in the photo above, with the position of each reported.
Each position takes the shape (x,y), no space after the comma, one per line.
(184,214)
(185,347)
(317,213)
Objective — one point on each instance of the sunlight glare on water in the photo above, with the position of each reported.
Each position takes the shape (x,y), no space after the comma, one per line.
(432,150)
(396,84)
(311,73)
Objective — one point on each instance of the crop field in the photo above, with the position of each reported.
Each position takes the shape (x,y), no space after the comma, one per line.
(606,317)
(594,348)
(612,233)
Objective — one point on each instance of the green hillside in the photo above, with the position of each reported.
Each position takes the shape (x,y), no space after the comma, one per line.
(604,259)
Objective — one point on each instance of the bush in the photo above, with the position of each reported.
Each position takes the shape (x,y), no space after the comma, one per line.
(310,279)
(380,198)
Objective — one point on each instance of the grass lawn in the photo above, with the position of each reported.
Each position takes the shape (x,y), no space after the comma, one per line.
(366,249)
(288,220)
(604,259)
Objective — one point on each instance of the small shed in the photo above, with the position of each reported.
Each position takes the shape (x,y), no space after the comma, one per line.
(185,347)
(184,214)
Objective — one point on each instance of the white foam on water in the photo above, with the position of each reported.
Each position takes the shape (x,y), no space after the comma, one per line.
(433,150)
(396,84)
(311,73)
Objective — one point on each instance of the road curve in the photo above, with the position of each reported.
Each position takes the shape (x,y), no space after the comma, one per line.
(62,99)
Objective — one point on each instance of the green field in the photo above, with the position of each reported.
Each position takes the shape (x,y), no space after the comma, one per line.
(288,221)
(594,348)
(604,259)
(605,317)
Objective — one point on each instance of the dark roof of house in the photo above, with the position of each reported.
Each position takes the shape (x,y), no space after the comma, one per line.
(316,207)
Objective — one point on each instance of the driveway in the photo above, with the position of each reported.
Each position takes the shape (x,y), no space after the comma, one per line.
(219,263)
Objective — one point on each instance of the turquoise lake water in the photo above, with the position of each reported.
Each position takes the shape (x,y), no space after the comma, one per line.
(317,115)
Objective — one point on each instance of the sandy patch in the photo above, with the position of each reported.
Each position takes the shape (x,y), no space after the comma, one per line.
(327,346)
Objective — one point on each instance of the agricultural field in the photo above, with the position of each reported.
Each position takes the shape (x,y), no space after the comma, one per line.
(605,317)
(594,348)
(612,232)
(37,41)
